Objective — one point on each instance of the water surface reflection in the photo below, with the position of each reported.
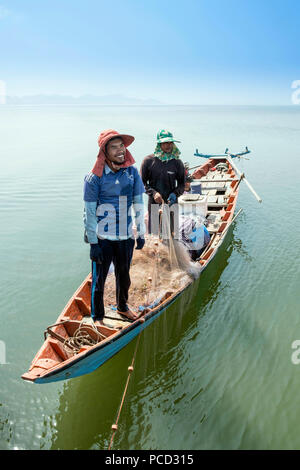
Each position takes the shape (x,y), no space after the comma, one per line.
(88,404)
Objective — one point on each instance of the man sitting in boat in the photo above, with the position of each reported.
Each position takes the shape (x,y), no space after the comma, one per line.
(110,190)
(193,234)
(192,219)
(163,175)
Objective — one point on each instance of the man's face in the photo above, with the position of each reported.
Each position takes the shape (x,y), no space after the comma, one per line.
(167,147)
(115,151)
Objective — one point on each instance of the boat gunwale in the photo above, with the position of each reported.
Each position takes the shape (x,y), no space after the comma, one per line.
(71,361)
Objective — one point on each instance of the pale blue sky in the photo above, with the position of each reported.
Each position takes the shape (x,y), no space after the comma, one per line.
(178,52)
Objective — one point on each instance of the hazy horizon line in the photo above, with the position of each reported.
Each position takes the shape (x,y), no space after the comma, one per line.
(158,104)
(117,99)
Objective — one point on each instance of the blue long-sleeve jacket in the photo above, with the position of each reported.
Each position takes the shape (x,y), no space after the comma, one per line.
(109,201)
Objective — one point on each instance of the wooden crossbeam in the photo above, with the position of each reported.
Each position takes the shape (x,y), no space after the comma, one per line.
(202,180)
(215,204)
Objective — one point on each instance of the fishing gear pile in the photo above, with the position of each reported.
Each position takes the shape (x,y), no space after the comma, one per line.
(162,265)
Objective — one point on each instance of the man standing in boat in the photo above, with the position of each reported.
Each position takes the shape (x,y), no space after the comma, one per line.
(111,189)
(163,175)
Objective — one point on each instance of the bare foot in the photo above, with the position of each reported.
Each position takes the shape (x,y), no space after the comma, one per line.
(101,323)
(129,314)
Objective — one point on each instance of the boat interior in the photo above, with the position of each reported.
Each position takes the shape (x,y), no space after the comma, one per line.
(220,184)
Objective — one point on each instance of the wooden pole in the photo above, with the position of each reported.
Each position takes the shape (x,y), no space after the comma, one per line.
(246,181)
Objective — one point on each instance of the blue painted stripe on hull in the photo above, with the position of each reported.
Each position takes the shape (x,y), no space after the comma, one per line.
(96,359)
(93,361)
(94,280)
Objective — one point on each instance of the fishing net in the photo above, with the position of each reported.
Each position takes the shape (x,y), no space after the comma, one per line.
(163,265)
(179,256)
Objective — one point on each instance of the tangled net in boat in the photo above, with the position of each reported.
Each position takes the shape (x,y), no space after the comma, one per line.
(159,267)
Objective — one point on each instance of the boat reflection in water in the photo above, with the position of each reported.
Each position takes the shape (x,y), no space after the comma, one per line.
(55,362)
(164,373)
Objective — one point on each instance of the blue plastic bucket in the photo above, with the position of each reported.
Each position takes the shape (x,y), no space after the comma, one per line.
(196,188)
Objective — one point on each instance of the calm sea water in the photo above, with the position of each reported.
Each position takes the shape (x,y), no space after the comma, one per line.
(215,371)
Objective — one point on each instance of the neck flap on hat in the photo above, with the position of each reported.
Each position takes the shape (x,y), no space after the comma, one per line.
(165,157)
(100,162)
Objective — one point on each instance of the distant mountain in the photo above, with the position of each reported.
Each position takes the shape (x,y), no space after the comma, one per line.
(84,99)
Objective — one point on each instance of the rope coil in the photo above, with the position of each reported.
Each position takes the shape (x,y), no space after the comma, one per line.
(86,335)
(82,338)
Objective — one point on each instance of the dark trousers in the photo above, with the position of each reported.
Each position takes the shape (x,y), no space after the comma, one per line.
(120,253)
(154,218)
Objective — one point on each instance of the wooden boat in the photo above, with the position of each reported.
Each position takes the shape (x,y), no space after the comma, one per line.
(53,363)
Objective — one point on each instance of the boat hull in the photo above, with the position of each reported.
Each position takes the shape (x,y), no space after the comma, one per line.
(92,358)
(95,358)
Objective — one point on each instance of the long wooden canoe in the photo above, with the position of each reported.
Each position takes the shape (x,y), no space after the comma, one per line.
(53,363)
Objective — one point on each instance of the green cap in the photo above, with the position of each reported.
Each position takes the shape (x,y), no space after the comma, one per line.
(165,136)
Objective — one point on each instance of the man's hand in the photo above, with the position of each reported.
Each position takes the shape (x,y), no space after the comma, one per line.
(172,199)
(140,242)
(96,253)
(157,198)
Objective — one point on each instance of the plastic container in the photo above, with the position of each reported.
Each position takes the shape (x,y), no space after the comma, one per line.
(196,188)
(193,204)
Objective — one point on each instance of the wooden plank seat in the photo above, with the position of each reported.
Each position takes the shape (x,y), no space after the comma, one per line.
(220,180)
(211,199)
(217,205)
(217,187)
(213,229)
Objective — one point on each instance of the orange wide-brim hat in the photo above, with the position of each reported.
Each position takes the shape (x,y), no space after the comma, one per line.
(109,134)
